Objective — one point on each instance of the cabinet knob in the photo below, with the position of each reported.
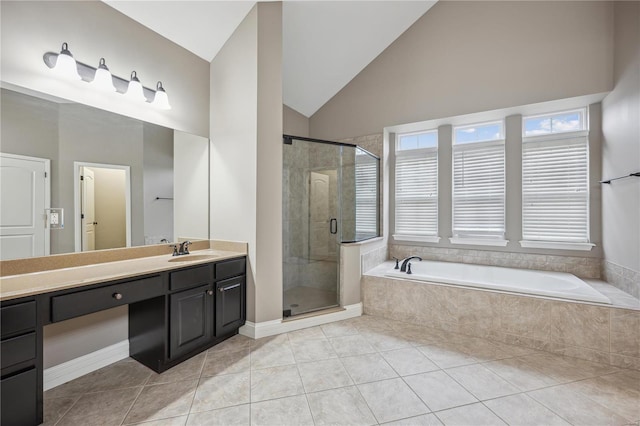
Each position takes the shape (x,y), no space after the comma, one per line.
(210,292)
(117,296)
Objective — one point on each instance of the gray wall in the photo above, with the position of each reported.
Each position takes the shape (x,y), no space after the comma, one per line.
(93,30)
(158,182)
(621,147)
(466,57)
(294,123)
(95,136)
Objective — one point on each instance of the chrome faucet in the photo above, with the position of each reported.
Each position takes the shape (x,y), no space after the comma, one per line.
(403,268)
(184,247)
(181,249)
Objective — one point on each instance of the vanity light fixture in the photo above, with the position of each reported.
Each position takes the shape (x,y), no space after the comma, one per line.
(135,91)
(67,67)
(161,99)
(102,79)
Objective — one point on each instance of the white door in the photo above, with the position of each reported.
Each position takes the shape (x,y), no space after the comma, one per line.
(88,212)
(23,199)
(319,216)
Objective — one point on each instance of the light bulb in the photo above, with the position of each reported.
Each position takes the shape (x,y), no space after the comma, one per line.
(161,99)
(65,64)
(103,80)
(135,91)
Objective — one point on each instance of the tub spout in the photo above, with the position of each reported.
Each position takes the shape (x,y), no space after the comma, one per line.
(403,268)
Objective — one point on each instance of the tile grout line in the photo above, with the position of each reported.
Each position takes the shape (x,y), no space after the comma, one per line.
(358,389)
(306,398)
(66,411)
(132,404)
(195,391)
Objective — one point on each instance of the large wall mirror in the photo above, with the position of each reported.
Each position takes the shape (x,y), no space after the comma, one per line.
(120,181)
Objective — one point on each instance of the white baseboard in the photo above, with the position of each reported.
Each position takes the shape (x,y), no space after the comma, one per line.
(271,328)
(67,371)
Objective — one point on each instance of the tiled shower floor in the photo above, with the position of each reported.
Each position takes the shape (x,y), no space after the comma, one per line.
(303,299)
(367,370)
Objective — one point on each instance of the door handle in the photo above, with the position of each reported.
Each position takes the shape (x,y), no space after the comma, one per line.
(333,225)
(222,289)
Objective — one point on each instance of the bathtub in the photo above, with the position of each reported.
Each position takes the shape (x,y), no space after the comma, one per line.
(542,283)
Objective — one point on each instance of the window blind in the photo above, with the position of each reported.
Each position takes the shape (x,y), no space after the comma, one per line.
(555,192)
(366,196)
(416,187)
(479,189)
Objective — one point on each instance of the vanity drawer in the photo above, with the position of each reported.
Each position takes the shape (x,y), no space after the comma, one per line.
(18,349)
(230,268)
(17,318)
(192,277)
(85,302)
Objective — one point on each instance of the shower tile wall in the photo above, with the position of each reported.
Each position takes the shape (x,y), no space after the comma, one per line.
(583,267)
(295,212)
(301,266)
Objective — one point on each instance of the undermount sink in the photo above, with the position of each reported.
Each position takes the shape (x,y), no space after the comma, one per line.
(192,257)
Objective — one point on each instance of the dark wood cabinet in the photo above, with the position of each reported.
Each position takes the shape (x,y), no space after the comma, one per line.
(19,399)
(230,305)
(190,320)
(173,316)
(20,359)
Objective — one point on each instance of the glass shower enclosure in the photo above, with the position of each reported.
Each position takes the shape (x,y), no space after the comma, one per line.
(330,196)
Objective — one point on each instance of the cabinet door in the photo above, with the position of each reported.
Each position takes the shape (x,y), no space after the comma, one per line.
(230,305)
(191,320)
(19,399)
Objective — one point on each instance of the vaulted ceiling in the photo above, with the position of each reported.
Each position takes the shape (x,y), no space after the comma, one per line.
(325,43)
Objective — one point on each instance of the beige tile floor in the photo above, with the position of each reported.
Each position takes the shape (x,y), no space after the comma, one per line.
(363,371)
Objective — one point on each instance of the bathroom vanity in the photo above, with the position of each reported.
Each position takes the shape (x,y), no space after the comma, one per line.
(178,307)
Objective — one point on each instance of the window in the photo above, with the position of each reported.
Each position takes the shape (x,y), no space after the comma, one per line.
(479,184)
(416,187)
(366,194)
(555,174)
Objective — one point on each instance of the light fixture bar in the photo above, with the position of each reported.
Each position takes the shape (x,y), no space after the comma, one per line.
(87,73)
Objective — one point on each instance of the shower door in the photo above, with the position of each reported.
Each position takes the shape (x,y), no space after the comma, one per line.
(311,226)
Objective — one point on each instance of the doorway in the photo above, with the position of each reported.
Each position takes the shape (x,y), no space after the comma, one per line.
(102,210)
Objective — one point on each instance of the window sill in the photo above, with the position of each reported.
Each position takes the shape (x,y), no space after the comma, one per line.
(479,242)
(416,238)
(557,245)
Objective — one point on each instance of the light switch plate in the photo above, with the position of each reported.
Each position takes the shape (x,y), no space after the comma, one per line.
(55,218)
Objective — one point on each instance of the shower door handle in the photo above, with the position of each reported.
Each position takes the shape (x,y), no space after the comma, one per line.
(333,225)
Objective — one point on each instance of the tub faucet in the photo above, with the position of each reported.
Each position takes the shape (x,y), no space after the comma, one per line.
(403,268)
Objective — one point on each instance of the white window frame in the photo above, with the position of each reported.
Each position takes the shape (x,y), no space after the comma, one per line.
(477,238)
(417,154)
(559,136)
(584,116)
